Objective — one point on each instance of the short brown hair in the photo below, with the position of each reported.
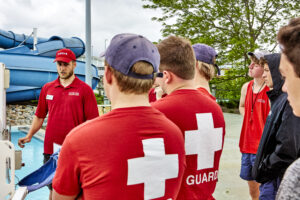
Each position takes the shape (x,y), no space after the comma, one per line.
(206,70)
(177,56)
(263,61)
(130,85)
(289,37)
(254,59)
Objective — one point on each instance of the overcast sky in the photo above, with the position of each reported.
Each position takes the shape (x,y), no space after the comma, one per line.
(66,18)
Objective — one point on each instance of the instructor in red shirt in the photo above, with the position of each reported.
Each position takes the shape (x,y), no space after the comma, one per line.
(68,102)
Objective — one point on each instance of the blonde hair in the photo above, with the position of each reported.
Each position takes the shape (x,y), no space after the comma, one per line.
(206,70)
(130,85)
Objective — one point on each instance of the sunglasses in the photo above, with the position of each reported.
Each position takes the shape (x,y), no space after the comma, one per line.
(159,74)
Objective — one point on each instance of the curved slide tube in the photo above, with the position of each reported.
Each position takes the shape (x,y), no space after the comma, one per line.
(45,47)
(31,69)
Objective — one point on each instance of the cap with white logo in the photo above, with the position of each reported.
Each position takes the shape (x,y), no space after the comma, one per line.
(65,55)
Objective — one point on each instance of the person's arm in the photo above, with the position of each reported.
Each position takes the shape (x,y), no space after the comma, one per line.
(66,181)
(56,196)
(289,186)
(286,147)
(35,126)
(242,99)
(90,104)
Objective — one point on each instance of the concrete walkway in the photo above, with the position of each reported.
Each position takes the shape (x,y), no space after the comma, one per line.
(230,185)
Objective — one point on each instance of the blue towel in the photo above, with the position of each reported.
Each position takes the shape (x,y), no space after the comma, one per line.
(42,176)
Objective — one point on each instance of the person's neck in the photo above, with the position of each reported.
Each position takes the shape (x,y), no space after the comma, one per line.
(258,85)
(186,84)
(121,100)
(67,82)
(202,82)
(259,81)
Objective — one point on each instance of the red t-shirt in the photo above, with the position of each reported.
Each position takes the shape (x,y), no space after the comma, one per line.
(129,153)
(253,124)
(202,124)
(67,107)
(152,95)
(205,92)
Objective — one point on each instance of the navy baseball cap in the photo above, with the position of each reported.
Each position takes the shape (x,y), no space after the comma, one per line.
(126,49)
(204,53)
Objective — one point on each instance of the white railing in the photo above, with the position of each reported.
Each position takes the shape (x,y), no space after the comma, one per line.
(7,169)
(7,150)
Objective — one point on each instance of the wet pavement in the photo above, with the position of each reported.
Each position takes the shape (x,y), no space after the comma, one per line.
(230,186)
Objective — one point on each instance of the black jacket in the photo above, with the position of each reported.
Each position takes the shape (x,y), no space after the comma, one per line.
(280,142)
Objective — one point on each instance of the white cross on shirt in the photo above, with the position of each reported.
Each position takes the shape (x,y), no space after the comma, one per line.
(204,141)
(153,169)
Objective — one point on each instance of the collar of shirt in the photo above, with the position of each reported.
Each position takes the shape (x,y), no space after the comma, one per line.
(74,84)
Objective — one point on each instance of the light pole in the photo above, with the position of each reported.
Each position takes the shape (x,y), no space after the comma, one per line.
(88,74)
(105,44)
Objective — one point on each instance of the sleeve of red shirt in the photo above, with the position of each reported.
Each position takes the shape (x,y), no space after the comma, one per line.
(42,108)
(90,104)
(67,175)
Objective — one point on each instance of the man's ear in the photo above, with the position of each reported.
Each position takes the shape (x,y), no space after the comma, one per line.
(74,64)
(108,74)
(168,76)
(197,65)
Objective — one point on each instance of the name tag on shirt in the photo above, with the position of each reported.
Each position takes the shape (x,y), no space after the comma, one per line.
(49,97)
(74,93)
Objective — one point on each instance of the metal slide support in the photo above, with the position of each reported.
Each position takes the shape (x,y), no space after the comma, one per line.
(34,38)
(88,67)
(3,85)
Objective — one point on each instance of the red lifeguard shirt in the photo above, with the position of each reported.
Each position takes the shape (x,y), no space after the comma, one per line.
(202,124)
(127,154)
(205,92)
(254,122)
(152,95)
(67,107)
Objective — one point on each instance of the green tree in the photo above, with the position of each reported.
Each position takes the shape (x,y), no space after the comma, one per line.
(232,27)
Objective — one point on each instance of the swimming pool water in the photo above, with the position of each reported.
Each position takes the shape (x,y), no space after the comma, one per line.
(32,156)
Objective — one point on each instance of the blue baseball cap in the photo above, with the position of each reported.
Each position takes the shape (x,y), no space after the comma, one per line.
(126,49)
(204,53)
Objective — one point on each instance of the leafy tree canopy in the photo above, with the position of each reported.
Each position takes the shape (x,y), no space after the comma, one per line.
(232,27)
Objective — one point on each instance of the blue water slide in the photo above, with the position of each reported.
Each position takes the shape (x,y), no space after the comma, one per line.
(28,73)
(44,47)
(17,93)
(9,39)
(31,69)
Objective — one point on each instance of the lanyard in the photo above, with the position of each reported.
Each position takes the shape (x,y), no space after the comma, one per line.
(253,103)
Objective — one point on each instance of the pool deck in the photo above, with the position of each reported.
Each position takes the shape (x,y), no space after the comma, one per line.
(230,185)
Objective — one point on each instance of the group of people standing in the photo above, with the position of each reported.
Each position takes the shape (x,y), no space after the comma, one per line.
(169,148)
(270,136)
